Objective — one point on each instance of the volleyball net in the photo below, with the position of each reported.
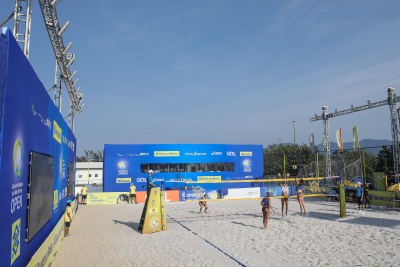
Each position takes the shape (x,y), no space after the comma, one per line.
(194,191)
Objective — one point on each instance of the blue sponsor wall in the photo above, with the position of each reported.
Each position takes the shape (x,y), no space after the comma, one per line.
(29,122)
(122,165)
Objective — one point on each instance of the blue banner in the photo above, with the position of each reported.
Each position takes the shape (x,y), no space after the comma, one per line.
(30,122)
(125,164)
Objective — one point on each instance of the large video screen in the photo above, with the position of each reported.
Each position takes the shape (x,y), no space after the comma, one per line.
(41,192)
(71,173)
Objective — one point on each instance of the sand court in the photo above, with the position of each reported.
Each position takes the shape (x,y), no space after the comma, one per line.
(231,233)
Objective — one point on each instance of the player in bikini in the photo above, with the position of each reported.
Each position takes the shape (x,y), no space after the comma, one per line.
(266,205)
(203,204)
(285,194)
(300,194)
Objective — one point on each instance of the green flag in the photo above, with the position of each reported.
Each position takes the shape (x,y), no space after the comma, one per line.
(356,143)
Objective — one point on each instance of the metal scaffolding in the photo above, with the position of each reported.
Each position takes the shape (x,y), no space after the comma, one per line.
(55,32)
(392,101)
(23,34)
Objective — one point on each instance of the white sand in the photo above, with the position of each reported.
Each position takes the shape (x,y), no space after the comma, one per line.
(107,235)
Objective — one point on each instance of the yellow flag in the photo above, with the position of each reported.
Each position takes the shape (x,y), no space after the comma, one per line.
(356,143)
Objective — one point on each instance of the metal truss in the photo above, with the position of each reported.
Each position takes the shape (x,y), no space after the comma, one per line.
(58,79)
(392,101)
(55,32)
(19,20)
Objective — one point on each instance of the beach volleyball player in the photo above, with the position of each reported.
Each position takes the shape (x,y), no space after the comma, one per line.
(203,203)
(266,205)
(300,194)
(285,194)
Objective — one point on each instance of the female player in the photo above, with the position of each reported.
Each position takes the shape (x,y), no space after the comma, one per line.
(300,194)
(266,205)
(203,203)
(285,194)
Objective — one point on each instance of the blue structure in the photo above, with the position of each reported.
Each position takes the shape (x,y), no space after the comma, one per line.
(37,158)
(124,164)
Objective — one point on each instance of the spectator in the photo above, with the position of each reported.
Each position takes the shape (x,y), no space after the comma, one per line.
(68,218)
(84,193)
(331,194)
(365,187)
(132,192)
(150,182)
(360,198)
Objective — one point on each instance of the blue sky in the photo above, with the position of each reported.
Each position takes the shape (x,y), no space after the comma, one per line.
(229,72)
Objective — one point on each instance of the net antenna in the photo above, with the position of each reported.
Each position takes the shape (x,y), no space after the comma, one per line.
(392,101)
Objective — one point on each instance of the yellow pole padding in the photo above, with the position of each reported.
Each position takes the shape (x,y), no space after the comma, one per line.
(206,200)
(244,181)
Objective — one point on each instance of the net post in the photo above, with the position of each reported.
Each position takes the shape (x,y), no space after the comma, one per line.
(185,190)
(342,200)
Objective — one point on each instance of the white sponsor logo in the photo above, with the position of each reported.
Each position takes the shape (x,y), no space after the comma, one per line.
(247,169)
(143,179)
(231,153)
(216,153)
(195,154)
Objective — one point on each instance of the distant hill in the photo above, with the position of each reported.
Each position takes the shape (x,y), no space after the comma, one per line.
(364,143)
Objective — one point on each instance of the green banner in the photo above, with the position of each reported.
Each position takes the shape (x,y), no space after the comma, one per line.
(380,181)
(381,197)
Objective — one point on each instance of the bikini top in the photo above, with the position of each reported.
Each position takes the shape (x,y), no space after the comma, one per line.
(299,187)
(265,201)
(285,189)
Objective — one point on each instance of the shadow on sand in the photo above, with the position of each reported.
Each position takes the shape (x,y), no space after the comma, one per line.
(133,225)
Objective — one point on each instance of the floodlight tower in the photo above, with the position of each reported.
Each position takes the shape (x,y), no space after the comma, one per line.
(19,20)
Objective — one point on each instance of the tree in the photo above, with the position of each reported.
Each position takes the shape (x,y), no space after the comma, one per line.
(281,157)
(93,156)
(385,162)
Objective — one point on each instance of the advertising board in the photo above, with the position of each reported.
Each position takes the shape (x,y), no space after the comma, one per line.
(29,122)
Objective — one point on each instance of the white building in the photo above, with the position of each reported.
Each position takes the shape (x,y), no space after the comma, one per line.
(89,173)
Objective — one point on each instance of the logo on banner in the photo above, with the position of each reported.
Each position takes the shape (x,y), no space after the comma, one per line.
(231,153)
(166,153)
(153,211)
(123,180)
(247,166)
(246,153)
(144,154)
(122,165)
(154,223)
(57,132)
(33,109)
(15,240)
(48,124)
(216,153)
(55,199)
(195,154)
(18,158)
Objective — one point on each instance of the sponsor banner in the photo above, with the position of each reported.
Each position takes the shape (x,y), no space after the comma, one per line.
(31,125)
(381,197)
(104,198)
(123,180)
(166,153)
(172,195)
(243,193)
(209,178)
(339,139)
(276,191)
(380,181)
(198,194)
(246,153)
